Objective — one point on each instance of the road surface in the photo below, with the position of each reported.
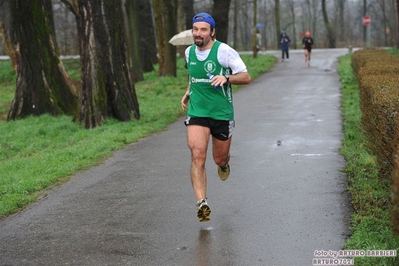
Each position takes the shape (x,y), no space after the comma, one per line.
(285,198)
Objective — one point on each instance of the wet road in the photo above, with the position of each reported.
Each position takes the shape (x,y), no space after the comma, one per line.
(285,197)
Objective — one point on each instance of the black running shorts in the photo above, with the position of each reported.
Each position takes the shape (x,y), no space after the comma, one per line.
(220,129)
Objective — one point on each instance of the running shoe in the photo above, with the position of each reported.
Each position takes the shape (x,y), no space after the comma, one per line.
(224,172)
(203,211)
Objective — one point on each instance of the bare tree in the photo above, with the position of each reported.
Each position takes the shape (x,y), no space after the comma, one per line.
(341,20)
(43,85)
(291,8)
(107,88)
(330,30)
(277,18)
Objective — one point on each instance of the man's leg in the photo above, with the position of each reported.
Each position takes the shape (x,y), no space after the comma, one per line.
(197,139)
(221,156)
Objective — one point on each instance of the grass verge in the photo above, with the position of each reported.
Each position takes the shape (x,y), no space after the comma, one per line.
(38,153)
(370,221)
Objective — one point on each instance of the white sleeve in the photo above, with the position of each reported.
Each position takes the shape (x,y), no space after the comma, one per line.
(187,52)
(229,58)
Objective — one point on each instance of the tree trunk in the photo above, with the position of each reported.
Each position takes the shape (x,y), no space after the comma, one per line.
(158,18)
(235,21)
(170,28)
(107,88)
(330,31)
(220,13)
(189,13)
(133,39)
(43,85)
(342,33)
(364,26)
(397,17)
(255,31)
(315,16)
(277,17)
(148,44)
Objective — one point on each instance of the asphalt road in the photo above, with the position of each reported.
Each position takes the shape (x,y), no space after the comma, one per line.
(285,198)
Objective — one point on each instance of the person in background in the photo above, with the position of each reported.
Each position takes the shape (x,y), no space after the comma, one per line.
(212,67)
(258,40)
(285,45)
(307,43)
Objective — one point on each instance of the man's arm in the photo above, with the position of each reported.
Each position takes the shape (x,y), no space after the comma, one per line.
(240,78)
(185,99)
(237,79)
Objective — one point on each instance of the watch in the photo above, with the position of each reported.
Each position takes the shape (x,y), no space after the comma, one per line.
(227,77)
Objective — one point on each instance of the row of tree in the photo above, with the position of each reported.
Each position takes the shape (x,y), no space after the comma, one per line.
(119,40)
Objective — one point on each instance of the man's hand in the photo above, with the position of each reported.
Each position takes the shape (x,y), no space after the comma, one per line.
(184,101)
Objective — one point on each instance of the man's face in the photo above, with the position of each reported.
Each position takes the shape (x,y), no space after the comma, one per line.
(201,34)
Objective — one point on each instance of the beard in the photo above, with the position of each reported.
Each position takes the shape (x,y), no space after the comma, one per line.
(199,42)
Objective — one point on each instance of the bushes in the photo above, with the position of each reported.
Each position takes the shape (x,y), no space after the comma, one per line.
(377,72)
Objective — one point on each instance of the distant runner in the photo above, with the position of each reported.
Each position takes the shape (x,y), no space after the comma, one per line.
(307,43)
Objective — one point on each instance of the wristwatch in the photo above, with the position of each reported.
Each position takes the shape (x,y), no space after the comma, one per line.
(227,77)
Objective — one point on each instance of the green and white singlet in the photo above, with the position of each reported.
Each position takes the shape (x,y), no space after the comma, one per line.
(205,99)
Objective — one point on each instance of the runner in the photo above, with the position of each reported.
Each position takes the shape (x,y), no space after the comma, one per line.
(210,104)
(307,43)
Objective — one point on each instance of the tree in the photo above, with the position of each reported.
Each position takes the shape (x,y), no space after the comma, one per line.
(189,13)
(165,16)
(107,87)
(291,8)
(277,18)
(220,13)
(170,28)
(330,30)
(255,31)
(364,26)
(235,19)
(141,37)
(148,44)
(341,20)
(397,17)
(133,38)
(43,85)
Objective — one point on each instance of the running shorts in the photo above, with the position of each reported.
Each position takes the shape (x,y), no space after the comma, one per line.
(220,129)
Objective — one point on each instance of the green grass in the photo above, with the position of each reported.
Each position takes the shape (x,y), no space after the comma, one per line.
(38,153)
(370,221)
